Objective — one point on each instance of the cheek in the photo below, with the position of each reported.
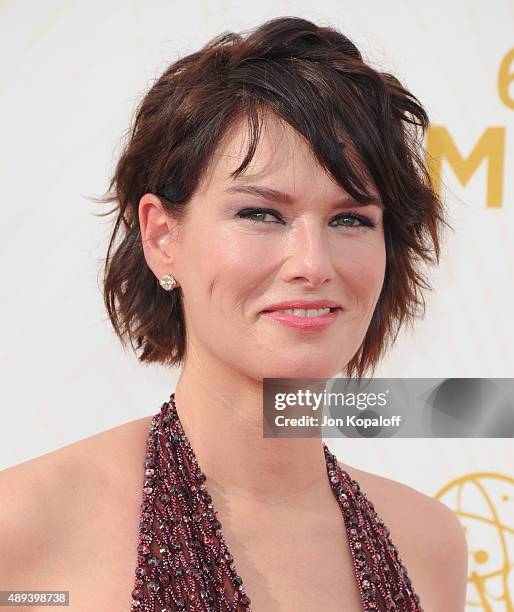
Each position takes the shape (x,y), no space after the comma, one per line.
(364,269)
(231,267)
(235,259)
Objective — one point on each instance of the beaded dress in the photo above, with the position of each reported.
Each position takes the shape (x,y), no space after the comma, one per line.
(183,563)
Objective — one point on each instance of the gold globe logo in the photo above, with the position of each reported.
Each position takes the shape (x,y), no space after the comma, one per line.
(484,503)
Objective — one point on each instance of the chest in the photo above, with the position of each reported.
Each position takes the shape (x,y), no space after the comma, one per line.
(293,572)
(286,565)
(291,559)
(98,562)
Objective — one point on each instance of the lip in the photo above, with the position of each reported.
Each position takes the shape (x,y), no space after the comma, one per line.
(318,323)
(302,304)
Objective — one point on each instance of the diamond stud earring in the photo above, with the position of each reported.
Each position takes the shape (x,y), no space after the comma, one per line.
(168,282)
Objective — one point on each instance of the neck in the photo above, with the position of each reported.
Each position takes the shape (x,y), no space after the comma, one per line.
(221,414)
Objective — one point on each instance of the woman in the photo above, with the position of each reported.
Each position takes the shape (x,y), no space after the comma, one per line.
(266,172)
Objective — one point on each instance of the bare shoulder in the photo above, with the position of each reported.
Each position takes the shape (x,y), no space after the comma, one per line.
(429,537)
(45,500)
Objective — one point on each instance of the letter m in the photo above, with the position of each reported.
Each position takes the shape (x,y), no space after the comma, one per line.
(490,148)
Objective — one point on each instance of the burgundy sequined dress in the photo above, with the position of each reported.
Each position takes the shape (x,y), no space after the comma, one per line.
(183,563)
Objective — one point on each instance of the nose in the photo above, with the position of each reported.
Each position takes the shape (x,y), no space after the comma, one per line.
(309,257)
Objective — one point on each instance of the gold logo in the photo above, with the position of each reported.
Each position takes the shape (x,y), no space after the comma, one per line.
(484,503)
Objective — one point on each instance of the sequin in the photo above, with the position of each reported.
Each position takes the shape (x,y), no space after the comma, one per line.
(183,562)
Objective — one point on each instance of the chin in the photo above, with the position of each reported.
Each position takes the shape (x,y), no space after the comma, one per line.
(301,370)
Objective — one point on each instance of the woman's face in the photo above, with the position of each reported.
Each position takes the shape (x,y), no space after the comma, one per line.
(232,268)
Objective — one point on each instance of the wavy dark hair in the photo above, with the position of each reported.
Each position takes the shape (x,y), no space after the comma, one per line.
(315,79)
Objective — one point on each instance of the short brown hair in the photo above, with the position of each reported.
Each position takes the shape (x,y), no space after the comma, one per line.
(316,80)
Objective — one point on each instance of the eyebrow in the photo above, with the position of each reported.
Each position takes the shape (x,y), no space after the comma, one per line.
(279,196)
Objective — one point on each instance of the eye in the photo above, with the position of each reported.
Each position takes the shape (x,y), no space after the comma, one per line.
(253,214)
(364,221)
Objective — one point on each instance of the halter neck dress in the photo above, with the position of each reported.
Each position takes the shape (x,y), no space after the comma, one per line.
(183,562)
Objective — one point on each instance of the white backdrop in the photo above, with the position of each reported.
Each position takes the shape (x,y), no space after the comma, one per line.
(71,74)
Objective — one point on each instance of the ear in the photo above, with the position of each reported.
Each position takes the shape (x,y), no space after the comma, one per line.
(157,234)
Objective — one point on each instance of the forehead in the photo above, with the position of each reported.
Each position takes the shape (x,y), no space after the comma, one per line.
(283,160)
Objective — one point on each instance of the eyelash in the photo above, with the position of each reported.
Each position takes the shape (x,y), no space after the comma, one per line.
(248,212)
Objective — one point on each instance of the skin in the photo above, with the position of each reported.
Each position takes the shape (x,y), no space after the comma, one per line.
(69,519)
(229,270)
